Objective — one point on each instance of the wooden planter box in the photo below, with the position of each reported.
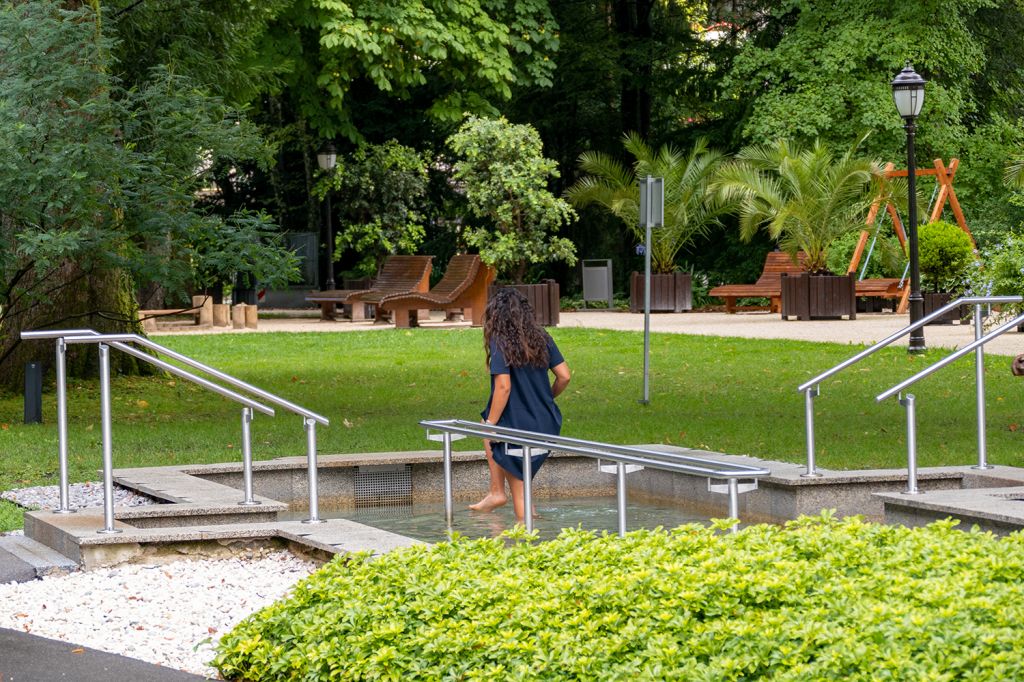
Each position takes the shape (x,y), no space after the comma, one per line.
(670,293)
(934,301)
(819,297)
(544,298)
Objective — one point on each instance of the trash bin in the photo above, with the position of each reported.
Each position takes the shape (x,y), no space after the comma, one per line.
(33,393)
(597,281)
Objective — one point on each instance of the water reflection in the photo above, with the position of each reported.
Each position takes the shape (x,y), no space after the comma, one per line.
(426,521)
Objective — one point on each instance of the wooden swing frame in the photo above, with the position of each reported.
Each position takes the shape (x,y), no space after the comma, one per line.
(897,288)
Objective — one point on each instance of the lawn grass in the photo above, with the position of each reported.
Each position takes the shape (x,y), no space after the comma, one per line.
(723,394)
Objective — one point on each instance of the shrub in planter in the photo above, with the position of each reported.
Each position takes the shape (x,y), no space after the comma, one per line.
(817,599)
(945,254)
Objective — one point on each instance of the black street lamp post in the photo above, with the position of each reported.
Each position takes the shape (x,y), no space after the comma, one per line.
(326,158)
(908,93)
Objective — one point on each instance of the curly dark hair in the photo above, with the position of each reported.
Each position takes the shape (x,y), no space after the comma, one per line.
(510,323)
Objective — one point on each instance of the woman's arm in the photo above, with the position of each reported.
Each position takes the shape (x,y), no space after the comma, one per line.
(499,399)
(562,376)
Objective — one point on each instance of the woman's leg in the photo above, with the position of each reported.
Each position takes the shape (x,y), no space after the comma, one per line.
(518,497)
(516,486)
(496,492)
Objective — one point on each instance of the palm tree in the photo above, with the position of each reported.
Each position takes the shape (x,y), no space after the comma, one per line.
(804,198)
(690,208)
(1014,175)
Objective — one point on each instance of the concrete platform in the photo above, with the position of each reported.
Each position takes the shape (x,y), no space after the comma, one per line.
(201,514)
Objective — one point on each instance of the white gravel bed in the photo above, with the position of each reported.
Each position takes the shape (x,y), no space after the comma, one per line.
(80,496)
(169,614)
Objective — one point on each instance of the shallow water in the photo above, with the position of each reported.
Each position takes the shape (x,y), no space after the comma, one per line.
(426,521)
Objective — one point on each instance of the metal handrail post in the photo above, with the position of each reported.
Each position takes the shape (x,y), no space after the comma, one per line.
(108,457)
(809,396)
(314,497)
(620,491)
(734,501)
(528,488)
(909,403)
(449,505)
(247,458)
(979,382)
(64,506)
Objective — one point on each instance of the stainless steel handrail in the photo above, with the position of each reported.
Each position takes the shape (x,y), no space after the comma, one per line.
(168,367)
(909,401)
(620,454)
(227,378)
(810,388)
(120,341)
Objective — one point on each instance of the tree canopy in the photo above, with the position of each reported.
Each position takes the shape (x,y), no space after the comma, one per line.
(437,58)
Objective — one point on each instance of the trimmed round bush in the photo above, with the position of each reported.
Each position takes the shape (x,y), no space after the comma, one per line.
(945,254)
(817,599)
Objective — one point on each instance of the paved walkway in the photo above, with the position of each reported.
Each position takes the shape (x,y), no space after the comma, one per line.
(28,658)
(867,328)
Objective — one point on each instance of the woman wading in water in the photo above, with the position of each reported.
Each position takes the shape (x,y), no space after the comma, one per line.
(520,353)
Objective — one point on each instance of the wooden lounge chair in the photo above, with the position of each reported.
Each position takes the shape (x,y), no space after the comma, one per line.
(464,285)
(330,299)
(768,285)
(399,275)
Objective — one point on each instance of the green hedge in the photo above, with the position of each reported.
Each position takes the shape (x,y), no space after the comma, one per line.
(819,599)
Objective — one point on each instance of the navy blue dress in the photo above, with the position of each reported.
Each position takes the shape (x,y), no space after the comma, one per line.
(531,407)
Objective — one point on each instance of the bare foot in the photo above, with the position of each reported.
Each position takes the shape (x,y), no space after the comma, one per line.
(489,503)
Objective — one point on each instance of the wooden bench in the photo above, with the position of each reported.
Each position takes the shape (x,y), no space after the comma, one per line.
(330,299)
(399,275)
(464,285)
(768,285)
(201,314)
(881,288)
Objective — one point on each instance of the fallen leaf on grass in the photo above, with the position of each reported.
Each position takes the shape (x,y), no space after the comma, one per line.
(347,423)
(4,427)
(1014,427)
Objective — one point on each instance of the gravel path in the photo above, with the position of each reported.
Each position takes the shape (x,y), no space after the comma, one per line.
(80,496)
(171,614)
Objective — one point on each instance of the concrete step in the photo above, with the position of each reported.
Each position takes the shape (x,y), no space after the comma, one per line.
(23,559)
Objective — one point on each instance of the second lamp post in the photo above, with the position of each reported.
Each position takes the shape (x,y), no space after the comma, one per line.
(908,93)
(326,158)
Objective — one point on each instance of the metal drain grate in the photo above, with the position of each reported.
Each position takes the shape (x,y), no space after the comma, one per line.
(383,485)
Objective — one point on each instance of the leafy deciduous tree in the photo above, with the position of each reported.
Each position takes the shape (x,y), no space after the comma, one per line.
(440,58)
(97,183)
(504,174)
(382,187)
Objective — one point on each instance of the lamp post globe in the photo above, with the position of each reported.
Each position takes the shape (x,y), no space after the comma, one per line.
(908,95)
(326,158)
